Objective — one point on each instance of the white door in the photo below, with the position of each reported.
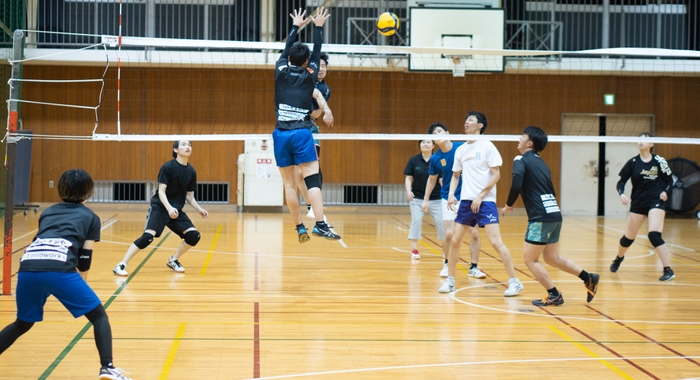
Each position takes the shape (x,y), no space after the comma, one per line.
(579,165)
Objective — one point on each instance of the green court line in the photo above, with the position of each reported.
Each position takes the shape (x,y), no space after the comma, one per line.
(82,332)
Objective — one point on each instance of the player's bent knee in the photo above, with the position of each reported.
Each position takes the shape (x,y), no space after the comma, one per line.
(655,239)
(96,313)
(192,237)
(144,241)
(23,326)
(312,181)
(625,242)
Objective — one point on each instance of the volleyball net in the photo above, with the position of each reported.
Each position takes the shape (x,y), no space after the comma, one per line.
(153,89)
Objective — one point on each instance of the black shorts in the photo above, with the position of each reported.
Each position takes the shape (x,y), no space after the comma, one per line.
(644,206)
(158,218)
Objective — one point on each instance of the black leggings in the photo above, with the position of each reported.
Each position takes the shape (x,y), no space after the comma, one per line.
(98,318)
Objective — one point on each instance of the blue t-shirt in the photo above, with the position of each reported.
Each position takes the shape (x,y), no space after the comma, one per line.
(441,162)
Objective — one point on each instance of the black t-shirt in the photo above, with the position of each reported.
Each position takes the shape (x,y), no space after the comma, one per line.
(417,167)
(63,229)
(294,85)
(179,180)
(537,189)
(325,91)
(649,179)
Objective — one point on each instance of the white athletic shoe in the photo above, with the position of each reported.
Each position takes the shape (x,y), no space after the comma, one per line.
(120,270)
(514,287)
(476,273)
(445,271)
(112,374)
(447,287)
(175,265)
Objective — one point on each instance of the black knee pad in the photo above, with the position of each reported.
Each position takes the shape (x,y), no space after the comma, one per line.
(192,237)
(144,241)
(23,326)
(655,239)
(312,181)
(96,313)
(625,242)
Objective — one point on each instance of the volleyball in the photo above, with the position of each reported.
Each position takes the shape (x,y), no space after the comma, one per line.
(387,24)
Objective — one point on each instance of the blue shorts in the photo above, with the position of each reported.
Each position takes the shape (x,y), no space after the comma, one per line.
(293,147)
(33,288)
(488,214)
(542,233)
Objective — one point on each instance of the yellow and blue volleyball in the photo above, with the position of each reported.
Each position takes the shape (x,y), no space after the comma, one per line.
(387,24)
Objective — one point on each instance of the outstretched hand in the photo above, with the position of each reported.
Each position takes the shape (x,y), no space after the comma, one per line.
(298,17)
(321,16)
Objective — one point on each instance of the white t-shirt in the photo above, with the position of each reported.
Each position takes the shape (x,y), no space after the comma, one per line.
(475,160)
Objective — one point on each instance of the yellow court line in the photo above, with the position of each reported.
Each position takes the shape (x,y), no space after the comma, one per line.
(173,352)
(591,353)
(211,250)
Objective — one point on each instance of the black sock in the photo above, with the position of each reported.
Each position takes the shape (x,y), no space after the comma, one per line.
(619,259)
(473,266)
(300,225)
(322,225)
(445,261)
(584,276)
(666,269)
(103,334)
(553,292)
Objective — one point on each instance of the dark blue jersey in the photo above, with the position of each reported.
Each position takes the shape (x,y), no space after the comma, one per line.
(294,85)
(533,180)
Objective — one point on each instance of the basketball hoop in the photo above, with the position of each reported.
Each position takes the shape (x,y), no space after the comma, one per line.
(457,64)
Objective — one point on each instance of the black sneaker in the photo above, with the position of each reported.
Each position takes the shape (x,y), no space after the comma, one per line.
(324,232)
(616,263)
(592,286)
(303,234)
(550,300)
(668,275)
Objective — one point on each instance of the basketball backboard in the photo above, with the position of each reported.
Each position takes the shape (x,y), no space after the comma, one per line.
(456,28)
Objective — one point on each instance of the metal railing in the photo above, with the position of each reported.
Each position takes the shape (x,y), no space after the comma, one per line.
(538,25)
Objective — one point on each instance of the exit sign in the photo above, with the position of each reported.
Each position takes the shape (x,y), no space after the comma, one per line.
(609,99)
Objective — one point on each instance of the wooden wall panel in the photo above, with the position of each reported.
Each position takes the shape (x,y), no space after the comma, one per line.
(191,100)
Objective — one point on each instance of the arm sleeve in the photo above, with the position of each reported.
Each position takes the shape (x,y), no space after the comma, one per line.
(315,59)
(517,181)
(516,185)
(666,175)
(625,174)
(291,39)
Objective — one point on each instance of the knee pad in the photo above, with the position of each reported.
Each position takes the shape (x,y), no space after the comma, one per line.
(23,326)
(192,237)
(312,181)
(96,313)
(625,242)
(655,239)
(144,241)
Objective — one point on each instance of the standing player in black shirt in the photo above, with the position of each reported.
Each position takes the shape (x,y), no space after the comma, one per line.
(67,232)
(532,179)
(651,179)
(177,181)
(295,76)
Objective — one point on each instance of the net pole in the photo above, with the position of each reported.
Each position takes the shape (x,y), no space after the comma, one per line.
(119,72)
(10,154)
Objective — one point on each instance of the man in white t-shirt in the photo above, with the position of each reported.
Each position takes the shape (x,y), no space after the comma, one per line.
(481,162)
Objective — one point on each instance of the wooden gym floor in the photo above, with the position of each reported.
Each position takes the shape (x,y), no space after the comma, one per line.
(254,303)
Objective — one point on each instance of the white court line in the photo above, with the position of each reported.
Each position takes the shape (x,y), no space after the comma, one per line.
(489,362)
(602,319)
(646,237)
(400,250)
(108,224)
